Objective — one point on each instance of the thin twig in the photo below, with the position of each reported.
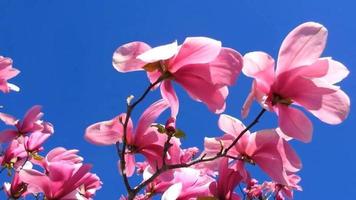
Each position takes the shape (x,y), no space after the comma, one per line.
(121,152)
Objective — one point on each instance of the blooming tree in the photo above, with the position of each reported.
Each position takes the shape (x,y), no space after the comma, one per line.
(205,69)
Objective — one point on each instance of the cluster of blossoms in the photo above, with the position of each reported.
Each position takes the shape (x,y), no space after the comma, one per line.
(205,69)
(60,174)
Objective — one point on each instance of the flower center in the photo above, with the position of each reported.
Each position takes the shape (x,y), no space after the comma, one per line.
(276,98)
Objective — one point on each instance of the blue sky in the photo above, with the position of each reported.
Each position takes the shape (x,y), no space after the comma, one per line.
(64,51)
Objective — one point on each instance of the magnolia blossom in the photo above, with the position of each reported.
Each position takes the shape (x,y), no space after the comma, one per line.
(7,72)
(198,63)
(263,148)
(301,78)
(145,139)
(229,178)
(180,184)
(64,177)
(30,123)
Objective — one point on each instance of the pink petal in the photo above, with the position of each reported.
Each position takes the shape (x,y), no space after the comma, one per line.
(31,116)
(334,109)
(125,57)
(226,67)
(336,72)
(159,53)
(195,50)
(130,164)
(230,125)
(291,161)
(8,135)
(260,66)
(170,96)
(302,46)
(33,177)
(213,96)
(294,123)
(173,192)
(150,115)
(107,132)
(8,119)
(248,102)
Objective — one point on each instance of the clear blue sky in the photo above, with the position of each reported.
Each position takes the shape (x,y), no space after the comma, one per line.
(64,51)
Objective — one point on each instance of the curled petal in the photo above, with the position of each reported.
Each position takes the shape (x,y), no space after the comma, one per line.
(159,53)
(125,57)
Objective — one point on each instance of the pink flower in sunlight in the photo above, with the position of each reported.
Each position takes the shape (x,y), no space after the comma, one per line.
(144,140)
(64,176)
(14,155)
(31,123)
(6,73)
(301,78)
(181,184)
(198,63)
(229,178)
(263,148)
(16,188)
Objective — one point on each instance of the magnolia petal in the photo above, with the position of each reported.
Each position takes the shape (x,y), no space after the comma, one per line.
(195,50)
(294,123)
(8,135)
(130,164)
(8,119)
(226,67)
(35,178)
(302,46)
(230,125)
(173,192)
(150,115)
(31,116)
(107,132)
(248,102)
(170,96)
(336,72)
(259,65)
(125,57)
(334,109)
(213,96)
(159,53)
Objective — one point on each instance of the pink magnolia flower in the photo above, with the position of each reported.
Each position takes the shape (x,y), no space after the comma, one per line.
(64,176)
(301,78)
(180,184)
(33,143)
(198,63)
(6,73)
(16,189)
(14,155)
(31,123)
(61,181)
(144,140)
(229,178)
(263,148)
